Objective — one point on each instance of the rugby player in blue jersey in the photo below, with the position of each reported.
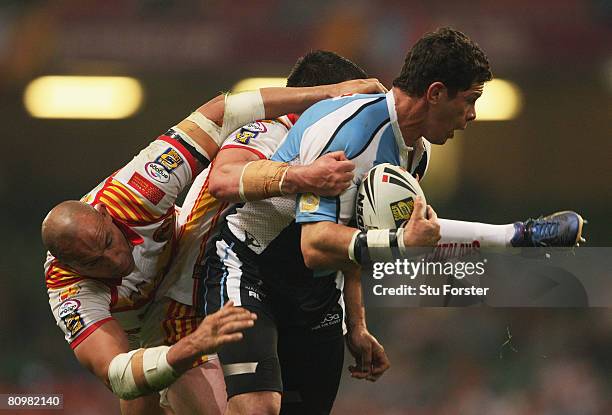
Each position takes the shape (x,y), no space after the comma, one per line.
(279,257)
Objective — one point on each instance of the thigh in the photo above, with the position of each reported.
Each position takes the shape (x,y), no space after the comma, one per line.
(230,275)
(200,390)
(252,365)
(311,359)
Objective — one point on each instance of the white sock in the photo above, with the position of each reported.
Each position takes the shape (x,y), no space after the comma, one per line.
(456,231)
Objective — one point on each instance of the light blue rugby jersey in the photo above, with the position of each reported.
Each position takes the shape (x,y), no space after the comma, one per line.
(364,127)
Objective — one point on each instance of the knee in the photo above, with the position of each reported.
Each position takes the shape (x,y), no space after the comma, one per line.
(255,403)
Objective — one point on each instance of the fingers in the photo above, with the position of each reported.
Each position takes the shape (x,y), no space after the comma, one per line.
(357,373)
(229,310)
(342,163)
(338,155)
(229,338)
(366,358)
(380,362)
(235,326)
(238,315)
(419,208)
(431,214)
(378,87)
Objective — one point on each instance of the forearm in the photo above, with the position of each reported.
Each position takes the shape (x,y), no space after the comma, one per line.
(325,245)
(208,126)
(212,122)
(183,354)
(353,299)
(225,180)
(279,101)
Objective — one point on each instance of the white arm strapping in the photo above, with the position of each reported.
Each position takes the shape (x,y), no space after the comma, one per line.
(351,248)
(140,372)
(378,245)
(241,109)
(206,125)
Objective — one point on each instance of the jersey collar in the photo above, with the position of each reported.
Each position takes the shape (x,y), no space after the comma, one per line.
(404,150)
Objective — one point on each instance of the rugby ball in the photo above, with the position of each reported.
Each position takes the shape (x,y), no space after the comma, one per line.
(386,197)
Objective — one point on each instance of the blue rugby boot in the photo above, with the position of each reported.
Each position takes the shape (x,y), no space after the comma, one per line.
(561,229)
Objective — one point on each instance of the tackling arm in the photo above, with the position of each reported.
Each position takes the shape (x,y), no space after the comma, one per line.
(238,174)
(211,123)
(139,372)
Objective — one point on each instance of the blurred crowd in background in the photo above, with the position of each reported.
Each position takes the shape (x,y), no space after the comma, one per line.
(556,154)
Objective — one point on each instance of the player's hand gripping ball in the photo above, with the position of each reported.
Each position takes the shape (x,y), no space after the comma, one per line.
(386,197)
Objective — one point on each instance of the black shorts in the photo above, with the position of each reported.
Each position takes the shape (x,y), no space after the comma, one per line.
(295,351)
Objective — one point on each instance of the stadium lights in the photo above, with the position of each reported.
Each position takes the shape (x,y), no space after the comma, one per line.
(249,84)
(83,97)
(501,100)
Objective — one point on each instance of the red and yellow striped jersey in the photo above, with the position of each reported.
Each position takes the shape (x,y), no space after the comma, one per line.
(141,199)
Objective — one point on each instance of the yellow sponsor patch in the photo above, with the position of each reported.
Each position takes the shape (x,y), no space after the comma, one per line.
(402,210)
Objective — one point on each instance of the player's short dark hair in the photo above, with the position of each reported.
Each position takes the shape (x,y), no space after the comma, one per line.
(321,67)
(446,56)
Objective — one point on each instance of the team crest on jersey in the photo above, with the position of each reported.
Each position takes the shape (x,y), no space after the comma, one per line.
(169,159)
(401,210)
(250,131)
(309,202)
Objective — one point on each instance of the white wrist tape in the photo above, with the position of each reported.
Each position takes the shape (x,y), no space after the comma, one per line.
(241,109)
(351,248)
(191,141)
(378,245)
(140,372)
(206,125)
(400,241)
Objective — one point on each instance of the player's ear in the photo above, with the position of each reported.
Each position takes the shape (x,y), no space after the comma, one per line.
(435,92)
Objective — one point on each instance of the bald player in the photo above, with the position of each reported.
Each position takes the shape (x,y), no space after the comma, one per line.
(108,252)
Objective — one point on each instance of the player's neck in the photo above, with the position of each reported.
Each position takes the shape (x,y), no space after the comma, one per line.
(410,115)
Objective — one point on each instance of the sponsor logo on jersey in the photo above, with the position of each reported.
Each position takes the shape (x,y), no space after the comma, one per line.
(68,307)
(256,127)
(254,295)
(250,240)
(71,291)
(328,320)
(250,131)
(157,172)
(401,210)
(169,159)
(153,193)
(309,203)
